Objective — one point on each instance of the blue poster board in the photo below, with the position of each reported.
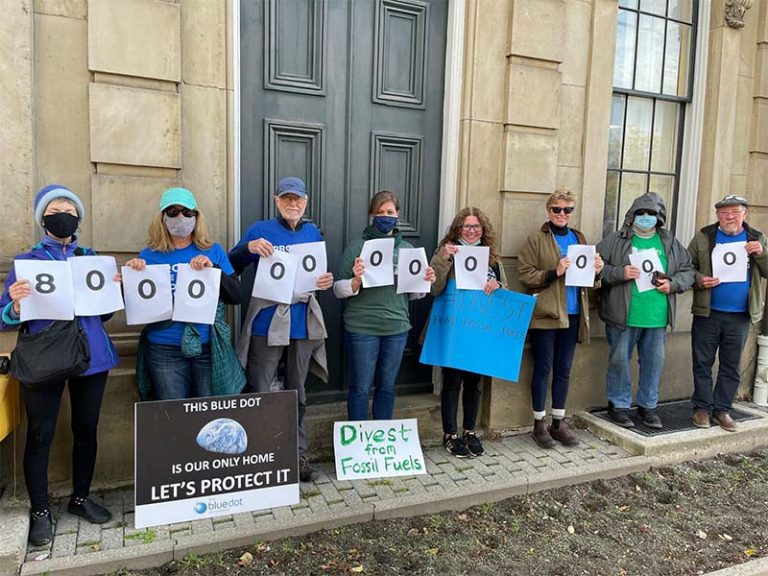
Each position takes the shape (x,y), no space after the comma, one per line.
(484,334)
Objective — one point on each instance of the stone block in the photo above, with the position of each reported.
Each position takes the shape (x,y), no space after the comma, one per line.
(538,29)
(479,183)
(522,215)
(760,126)
(534,96)
(530,161)
(757,188)
(204,43)
(761,74)
(134,201)
(742,128)
(571,131)
(66,8)
(135,126)
(578,28)
(135,38)
(61,83)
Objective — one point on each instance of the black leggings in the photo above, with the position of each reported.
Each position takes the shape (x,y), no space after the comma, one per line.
(42,404)
(449,399)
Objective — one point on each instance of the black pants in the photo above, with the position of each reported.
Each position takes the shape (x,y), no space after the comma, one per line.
(449,398)
(724,334)
(553,351)
(42,404)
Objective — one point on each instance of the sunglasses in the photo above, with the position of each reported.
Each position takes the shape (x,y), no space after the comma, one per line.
(644,212)
(173,212)
(558,209)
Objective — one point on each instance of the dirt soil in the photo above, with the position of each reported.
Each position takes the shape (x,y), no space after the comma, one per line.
(684,520)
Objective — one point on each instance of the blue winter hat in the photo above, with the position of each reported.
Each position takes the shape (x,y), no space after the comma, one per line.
(177,196)
(53,192)
(291,185)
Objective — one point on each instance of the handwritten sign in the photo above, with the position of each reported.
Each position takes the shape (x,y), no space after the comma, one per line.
(471,267)
(51,296)
(730,262)
(377,255)
(466,327)
(207,457)
(148,294)
(377,449)
(95,291)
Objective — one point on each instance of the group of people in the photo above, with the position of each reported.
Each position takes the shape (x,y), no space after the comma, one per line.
(183,360)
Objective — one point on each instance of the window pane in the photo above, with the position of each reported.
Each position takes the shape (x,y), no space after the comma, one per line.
(650,50)
(611,202)
(676,59)
(655,6)
(665,127)
(632,186)
(664,186)
(628,4)
(615,135)
(624,62)
(637,134)
(681,10)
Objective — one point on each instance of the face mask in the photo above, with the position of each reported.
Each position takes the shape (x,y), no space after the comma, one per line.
(180,226)
(385,224)
(61,225)
(465,243)
(645,221)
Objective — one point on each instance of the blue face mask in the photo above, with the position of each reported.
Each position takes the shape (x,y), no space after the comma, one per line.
(385,224)
(645,221)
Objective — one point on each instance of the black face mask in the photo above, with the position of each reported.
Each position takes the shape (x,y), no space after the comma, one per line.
(61,225)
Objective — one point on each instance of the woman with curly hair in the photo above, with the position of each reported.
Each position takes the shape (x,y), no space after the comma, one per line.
(470,227)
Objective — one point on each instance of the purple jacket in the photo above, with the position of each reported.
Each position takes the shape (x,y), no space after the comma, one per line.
(103,353)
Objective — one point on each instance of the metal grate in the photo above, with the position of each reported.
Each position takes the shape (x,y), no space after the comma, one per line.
(675,416)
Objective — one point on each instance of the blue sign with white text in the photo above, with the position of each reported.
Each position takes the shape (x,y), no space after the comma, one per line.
(483,334)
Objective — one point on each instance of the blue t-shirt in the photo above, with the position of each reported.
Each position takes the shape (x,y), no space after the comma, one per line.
(571,292)
(731,296)
(171,336)
(282,238)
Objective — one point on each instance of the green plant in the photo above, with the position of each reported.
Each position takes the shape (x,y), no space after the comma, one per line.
(146,536)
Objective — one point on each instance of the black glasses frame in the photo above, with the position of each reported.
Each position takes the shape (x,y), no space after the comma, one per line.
(558,209)
(173,212)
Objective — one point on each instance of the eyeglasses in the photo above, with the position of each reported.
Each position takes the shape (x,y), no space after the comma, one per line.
(472,227)
(172,212)
(558,209)
(643,212)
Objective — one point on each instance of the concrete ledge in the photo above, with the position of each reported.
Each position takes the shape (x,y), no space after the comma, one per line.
(13,536)
(598,471)
(757,567)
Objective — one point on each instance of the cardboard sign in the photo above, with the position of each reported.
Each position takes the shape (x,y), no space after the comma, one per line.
(648,262)
(275,277)
(312,263)
(378,258)
(581,272)
(52,297)
(206,457)
(95,291)
(377,449)
(411,266)
(470,264)
(148,295)
(483,334)
(197,294)
(730,262)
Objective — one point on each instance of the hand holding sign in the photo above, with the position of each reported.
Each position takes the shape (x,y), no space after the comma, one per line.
(275,277)
(313,263)
(729,262)
(95,290)
(471,267)
(197,294)
(51,296)
(411,270)
(648,262)
(581,272)
(148,296)
(377,256)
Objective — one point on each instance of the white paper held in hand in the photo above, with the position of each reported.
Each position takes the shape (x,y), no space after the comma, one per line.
(648,262)
(411,266)
(581,272)
(470,264)
(275,277)
(148,295)
(377,255)
(730,262)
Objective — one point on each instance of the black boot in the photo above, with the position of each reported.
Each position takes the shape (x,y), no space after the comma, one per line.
(620,416)
(88,509)
(649,417)
(40,528)
(541,434)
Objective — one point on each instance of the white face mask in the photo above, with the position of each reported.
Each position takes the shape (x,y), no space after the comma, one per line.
(180,226)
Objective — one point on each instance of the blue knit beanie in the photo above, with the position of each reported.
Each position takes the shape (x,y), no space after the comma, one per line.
(53,192)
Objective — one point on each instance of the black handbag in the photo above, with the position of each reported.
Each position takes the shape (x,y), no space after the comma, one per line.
(56,353)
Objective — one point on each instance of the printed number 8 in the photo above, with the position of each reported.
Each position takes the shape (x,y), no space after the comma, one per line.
(44,283)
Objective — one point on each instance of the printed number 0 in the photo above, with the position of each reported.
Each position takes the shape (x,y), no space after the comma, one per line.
(729,256)
(309,263)
(277,275)
(411,267)
(581,261)
(648,268)
(191,290)
(94,285)
(376,258)
(470,264)
(152,289)
(45,283)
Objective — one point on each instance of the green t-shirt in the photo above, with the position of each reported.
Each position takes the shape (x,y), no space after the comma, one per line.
(648,309)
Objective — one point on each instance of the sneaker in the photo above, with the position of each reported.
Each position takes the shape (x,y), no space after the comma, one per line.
(649,417)
(40,528)
(88,509)
(620,416)
(306,472)
(456,446)
(473,443)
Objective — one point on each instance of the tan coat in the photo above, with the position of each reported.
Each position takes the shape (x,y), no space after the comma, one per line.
(539,255)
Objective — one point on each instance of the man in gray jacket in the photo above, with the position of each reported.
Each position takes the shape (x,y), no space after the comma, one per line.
(639,318)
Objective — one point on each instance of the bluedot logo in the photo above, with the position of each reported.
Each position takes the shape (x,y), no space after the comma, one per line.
(201,507)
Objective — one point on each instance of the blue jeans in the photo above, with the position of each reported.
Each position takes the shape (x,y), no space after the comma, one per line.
(373,360)
(175,376)
(650,351)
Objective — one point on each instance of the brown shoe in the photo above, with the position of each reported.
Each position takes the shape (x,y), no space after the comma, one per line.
(726,422)
(563,435)
(701,419)
(541,434)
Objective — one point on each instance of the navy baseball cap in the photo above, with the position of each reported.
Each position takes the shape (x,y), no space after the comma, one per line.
(291,185)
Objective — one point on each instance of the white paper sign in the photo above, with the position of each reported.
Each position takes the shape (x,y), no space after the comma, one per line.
(378,260)
(729,262)
(197,294)
(377,449)
(96,292)
(51,284)
(411,266)
(581,272)
(148,296)
(648,262)
(275,277)
(471,266)
(312,263)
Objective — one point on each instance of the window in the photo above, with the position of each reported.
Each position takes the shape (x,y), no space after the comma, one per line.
(652,84)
